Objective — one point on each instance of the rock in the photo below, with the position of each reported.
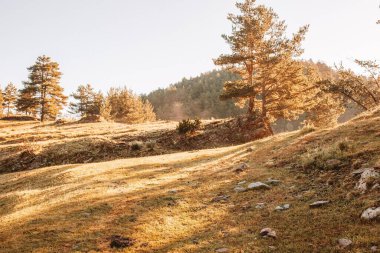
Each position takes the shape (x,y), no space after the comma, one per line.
(221,250)
(273,182)
(319,203)
(240,189)
(242,182)
(258,186)
(119,242)
(272,247)
(249,149)
(282,207)
(240,168)
(220,198)
(366,177)
(174,191)
(358,172)
(268,232)
(371,213)
(374,249)
(260,205)
(344,242)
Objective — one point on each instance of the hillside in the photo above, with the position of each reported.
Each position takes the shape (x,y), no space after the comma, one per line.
(189,201)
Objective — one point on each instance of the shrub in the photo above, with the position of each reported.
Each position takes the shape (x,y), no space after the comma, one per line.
(188,126)
(136,145)
(151,144)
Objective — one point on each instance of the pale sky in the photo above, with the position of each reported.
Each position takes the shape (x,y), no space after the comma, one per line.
(146,44)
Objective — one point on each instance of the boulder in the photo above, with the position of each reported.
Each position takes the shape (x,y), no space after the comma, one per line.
(319,203)
(240,168)
(268,232)
(258,186)
(344,242)
(282,207)
(367,176)
(240,189)
(371,213)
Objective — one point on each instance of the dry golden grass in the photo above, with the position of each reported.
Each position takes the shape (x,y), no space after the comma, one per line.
(77,207)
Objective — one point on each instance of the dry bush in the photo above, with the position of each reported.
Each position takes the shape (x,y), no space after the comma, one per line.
(188,126)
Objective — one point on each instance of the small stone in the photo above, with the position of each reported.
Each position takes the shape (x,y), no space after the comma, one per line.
(268,232)
(119,242)
(358,172)
(260,205)
(344,242)
(242,182)
(366,176)
(240,189)
(249,149)
(374,249)
(240,168)
(273,182)
(220,198)
(371,213)
(221,250)
(258,186)
(282,207)
(319,203)
(272,247)
(174,191)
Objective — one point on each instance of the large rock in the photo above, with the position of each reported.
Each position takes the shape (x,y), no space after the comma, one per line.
(371,213)
(366,177)
(319,203)
(240,168)
(282,207)
(344,242)
(258,186)
(268,232)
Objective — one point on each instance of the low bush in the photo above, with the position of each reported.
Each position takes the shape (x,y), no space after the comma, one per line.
(188,126)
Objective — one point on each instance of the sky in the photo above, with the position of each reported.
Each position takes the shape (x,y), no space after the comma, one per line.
(147,44)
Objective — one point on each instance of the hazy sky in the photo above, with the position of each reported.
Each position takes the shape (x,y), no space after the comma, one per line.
(146,44)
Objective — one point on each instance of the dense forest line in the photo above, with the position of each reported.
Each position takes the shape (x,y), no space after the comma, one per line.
(199,97)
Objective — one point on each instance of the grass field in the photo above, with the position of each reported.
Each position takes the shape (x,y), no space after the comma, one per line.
(185,201)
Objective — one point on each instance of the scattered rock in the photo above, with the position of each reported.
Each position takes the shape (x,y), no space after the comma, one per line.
(268,232)
(319,203)
(282,207)
(367,176)
(344,242)
(220,198)
(222,250)
(119,242)
(240,189)
(258,186)
(260,205)
(371,213)
(240,168)
(273,182)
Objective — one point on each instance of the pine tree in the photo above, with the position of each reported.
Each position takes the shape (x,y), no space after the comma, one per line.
(122,105)
(271,79)
(27,101)
(42,91)
(363,90)
(88,101)
(10,97)
(1,102)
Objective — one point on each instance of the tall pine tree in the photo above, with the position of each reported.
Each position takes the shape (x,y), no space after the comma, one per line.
(10,97)
(272,81)
(1,102)
(45,93)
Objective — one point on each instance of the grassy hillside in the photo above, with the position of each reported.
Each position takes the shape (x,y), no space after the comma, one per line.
(186,201)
